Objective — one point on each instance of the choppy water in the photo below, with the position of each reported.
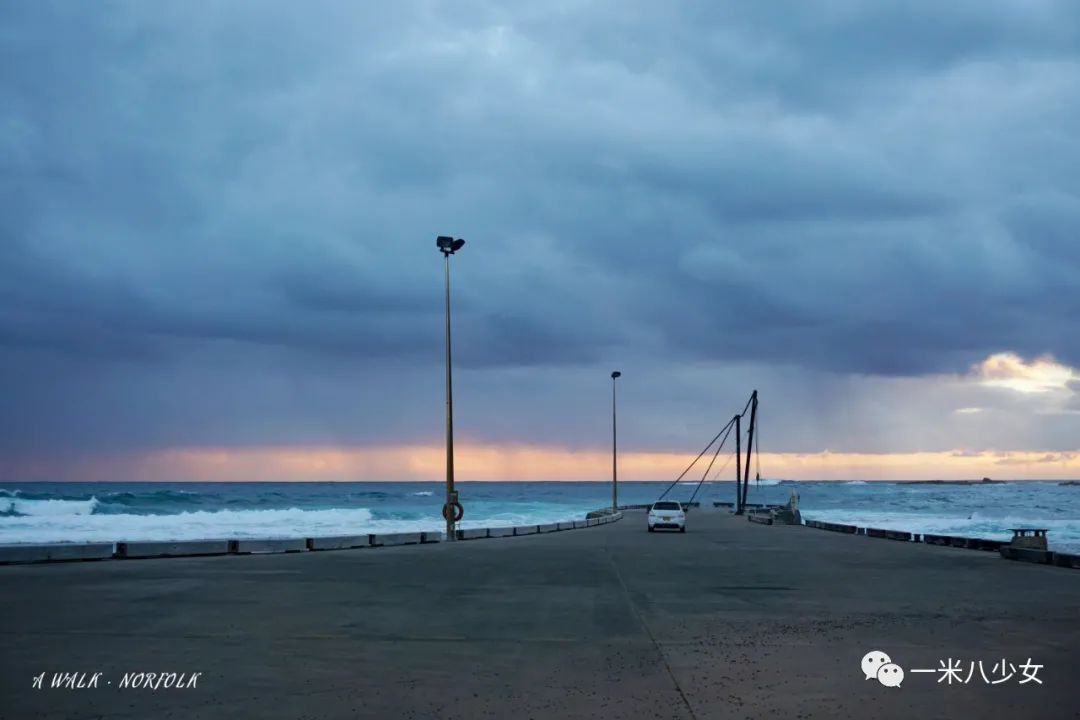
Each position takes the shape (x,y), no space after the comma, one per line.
(72,512)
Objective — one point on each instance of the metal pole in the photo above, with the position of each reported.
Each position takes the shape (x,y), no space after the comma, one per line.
(614,449)
(749,445)
(451,496)
(738,465)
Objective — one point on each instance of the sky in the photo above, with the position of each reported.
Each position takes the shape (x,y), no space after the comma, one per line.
(217,226)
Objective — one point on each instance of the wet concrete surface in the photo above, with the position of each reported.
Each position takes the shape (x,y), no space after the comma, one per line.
(730,620)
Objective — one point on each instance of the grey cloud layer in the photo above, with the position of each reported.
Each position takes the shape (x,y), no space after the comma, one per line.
(188,199)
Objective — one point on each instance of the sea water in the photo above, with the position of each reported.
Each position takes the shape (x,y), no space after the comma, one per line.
(79,512)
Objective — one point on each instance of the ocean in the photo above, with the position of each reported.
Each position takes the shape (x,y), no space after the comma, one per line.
(78,512)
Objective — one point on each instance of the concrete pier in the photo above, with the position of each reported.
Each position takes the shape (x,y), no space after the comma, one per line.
(730,620)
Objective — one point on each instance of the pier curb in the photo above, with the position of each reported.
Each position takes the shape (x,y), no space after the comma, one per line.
(258,547)
(71,552)
(387,539)
(339,542)
(184,548)
(55,552)
(1002,547)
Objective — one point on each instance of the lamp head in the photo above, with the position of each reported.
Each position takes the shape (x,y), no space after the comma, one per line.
(448,245)
(616,374)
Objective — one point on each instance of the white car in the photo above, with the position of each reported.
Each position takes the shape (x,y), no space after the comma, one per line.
(667,514)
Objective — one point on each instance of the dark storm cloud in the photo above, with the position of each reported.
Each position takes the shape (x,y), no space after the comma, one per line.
(881,189)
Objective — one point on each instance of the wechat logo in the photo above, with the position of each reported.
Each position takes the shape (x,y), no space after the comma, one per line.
(876,664)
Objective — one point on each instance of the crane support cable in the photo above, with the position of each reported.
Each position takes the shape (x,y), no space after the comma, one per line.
(722,469)
(757,447)
(747,406)
(711,463)
(726,428)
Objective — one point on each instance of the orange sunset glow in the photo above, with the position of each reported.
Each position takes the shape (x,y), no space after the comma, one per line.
(523,462)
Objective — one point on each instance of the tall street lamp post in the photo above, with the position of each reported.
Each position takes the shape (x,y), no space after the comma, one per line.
(452,510)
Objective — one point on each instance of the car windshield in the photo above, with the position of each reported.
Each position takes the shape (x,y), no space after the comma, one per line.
(667,506)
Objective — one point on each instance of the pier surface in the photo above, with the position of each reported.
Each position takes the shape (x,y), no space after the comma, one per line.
(730,620)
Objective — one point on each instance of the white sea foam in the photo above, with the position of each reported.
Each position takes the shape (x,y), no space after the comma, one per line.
(51,508)
(423,493)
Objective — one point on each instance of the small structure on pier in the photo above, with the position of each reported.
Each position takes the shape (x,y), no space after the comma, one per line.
(1032,538)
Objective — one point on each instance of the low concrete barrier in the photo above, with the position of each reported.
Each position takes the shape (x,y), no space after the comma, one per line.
(928,538)
(184,548)
(387,539)
(55,552)
(760,519)
(339,542)
(723,504)
(1044,557)
(1067,560)
(254,547)
(990,545)
(60,552)
(834,527)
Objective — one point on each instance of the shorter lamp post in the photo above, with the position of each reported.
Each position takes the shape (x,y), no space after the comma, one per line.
(614,449)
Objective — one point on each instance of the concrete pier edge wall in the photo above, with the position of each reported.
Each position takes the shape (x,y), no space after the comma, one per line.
(125,550)
(1002,547)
